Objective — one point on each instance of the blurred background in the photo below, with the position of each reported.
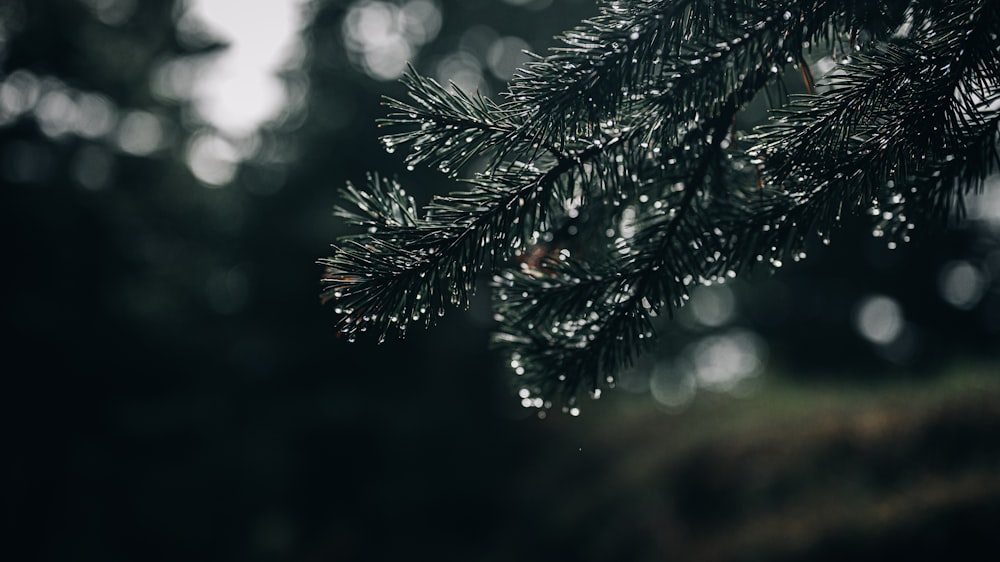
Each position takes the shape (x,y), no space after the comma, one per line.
(175,391)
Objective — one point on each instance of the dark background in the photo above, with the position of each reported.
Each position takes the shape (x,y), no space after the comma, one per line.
(173,389)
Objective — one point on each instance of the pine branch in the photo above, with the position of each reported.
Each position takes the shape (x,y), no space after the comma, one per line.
(627,130)
(897,124)
(399,271)
(448,128)
(568,326)
(385,205)
(691,56)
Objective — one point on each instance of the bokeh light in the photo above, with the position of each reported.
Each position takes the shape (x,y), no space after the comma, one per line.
(962,284)
(140,133)
(505,55)
(464,71)
(712,306)
(212,158)
(723,361)
(383,37)
(672,383)
(879,319)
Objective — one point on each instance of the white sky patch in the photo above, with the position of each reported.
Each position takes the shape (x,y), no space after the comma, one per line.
(240,89)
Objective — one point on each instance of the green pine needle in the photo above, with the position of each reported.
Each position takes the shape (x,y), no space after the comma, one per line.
(618,175)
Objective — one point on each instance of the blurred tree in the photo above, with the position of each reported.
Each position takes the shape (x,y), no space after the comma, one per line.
(122,270)
(620,170)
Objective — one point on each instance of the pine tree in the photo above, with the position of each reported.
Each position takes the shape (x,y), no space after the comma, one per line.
(616,174)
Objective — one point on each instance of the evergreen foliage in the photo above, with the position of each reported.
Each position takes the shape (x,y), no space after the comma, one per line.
(616,173)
